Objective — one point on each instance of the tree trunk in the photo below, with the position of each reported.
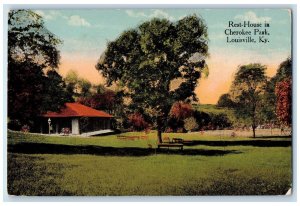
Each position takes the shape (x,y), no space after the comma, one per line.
(253,130)
(159,138)
(254,118)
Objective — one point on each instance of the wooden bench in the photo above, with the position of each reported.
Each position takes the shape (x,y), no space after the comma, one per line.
(177,140)
(168,145)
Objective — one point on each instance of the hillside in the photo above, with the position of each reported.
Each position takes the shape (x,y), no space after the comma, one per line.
(214,109)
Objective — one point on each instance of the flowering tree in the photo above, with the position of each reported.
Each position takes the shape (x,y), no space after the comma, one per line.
(283,93)
(181,110)
(137,121)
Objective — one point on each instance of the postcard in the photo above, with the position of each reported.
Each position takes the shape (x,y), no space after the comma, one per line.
(149,102)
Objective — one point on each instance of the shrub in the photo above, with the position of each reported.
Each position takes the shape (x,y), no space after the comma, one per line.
(181,110)
(137,121)
(169,130)
(221,121)
(25,128)
(190,124)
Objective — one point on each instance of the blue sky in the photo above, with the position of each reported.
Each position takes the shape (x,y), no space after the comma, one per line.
(85,34)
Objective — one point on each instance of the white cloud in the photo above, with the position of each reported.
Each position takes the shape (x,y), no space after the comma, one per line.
(76,20)
(181,17)
(251,16)
(48,15)
(155,13)
(161,14)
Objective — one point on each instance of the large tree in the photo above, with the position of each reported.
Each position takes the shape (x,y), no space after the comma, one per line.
(145,61)
(30,41)
(55,92)
(32,54)
(247,90)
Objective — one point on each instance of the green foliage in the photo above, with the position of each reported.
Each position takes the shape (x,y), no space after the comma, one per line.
(77,86)
(225,101)
(143,62)
(25,91)
(55,92)
(247,92)
(284,70)
(220,121)
(85,86)
(30,41)
(34,86)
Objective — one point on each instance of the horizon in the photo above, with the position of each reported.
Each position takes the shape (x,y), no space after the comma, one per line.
(85,33)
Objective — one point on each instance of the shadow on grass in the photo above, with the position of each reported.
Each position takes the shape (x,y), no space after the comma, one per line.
(42,148)
(252,142)
(272,137)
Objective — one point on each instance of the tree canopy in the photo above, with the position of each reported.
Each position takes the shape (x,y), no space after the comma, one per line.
(33,58)
(29,40)
(79,87)
(247,90)
(225,101)
(144,61)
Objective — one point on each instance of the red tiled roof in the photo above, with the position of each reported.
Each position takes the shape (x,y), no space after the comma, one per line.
(77,110)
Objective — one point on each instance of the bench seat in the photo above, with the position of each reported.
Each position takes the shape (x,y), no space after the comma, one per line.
(168,145)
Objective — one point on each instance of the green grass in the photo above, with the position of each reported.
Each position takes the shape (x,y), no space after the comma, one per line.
(49,165)
(211,108)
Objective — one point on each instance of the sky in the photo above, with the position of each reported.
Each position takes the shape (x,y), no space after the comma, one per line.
(86,32)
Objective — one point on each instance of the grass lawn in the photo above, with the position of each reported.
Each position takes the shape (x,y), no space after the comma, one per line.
(106,165)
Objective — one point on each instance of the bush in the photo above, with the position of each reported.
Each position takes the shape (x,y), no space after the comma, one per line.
(137,122)
(190,124)
(221,121)
(169,130)
(181,110)
(174,124)
(225,101)
(25,128)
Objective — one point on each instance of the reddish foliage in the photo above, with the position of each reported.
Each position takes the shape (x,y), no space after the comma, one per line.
(169,130)
(181,110)
(283,93)
(137,121)
(25,128)
(104,101)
